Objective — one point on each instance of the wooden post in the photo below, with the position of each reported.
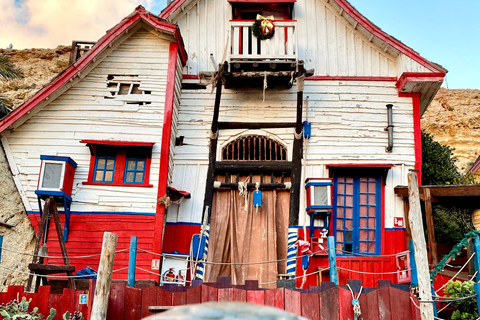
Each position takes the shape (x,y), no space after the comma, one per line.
(297,150)
(416,225)
(332,260)
(212,155)
(432,245)
(104,280)
(132,261)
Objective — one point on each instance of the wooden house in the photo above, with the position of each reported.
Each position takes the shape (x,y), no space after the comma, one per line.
(303,134)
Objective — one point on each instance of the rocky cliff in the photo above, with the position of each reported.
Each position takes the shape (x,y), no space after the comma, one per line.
(453,118)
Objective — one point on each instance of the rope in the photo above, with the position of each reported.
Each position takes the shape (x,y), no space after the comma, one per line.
(232,263)
(59,257)
(45,276)
(466,263)
(356,271)
(369,255)
(305,275)
(356,302)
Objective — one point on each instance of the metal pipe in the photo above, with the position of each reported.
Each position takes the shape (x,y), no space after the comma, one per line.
(389,128)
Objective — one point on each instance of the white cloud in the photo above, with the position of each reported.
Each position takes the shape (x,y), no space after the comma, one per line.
(48,23)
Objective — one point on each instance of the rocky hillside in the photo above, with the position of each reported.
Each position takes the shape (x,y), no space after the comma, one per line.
(39,67)
(454,119)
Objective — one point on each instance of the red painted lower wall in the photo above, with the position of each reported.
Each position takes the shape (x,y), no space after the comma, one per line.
(86,235)
(394,242)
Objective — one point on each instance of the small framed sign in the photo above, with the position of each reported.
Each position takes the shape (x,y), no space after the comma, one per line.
(155,264)
(83,299)
(398,222)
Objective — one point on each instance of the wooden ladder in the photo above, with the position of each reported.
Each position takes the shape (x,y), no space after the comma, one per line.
(37,266)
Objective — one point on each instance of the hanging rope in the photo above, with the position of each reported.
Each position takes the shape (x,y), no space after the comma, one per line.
(355,302)
(243,191)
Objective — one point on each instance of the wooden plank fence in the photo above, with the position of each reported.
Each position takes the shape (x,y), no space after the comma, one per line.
(388,302)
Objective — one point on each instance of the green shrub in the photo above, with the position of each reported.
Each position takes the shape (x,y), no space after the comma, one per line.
(19,310)
(467,309)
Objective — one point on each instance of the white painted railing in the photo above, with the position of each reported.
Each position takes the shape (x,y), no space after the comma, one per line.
(246,47)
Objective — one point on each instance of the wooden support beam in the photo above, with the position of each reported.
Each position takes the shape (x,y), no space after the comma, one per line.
(432,245)
(255,125)
(416,225)
(275,166)
(406,209)
(104,280)
(297,151)
(212,155)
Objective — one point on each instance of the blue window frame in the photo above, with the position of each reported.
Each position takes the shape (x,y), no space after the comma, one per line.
(105,167)
(135,168)
(357,214)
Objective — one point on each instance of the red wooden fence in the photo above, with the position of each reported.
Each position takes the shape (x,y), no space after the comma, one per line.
(318,303)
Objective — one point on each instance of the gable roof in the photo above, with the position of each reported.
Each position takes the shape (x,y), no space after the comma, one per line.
(346,10)
(139,14)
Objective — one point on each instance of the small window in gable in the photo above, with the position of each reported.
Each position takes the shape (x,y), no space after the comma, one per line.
(119,163)
(120,85)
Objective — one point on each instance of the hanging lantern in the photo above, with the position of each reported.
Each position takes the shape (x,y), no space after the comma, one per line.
(476,219)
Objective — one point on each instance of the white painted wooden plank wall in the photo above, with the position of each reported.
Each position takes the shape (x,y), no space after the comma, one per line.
(348,120)
(83,113)
(326,40)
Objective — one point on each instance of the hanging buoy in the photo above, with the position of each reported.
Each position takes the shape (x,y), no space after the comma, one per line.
(257,197)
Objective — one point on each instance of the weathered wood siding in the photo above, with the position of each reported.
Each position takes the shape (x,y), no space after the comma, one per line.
(327,40)
(348,120)
(83,112)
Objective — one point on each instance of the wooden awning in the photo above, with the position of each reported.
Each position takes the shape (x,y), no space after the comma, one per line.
(465,196)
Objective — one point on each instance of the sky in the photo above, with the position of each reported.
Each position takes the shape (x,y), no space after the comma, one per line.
(443,31)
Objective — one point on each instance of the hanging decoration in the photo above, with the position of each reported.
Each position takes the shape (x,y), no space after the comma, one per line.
(457,249)
(263,27)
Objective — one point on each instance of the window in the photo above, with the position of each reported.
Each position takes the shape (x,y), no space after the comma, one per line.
(357,213)
(119,163)
(254,148)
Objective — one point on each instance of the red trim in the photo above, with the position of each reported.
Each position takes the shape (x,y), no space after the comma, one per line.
(115,184)
(364,22)
(241,20)
(262,1)
(190,76)
(418,77)
(362,165)
(139,14)
(382,217)
(417,131)
(376,31)
(120,162)
(165,149)
(119,143)
(350,78)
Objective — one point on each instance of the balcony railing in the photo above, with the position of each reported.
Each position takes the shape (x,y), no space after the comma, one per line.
(245,47)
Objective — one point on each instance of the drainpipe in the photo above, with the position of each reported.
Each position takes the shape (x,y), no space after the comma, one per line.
(389,128)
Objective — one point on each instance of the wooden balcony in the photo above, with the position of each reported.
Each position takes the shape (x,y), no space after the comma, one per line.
(247,53)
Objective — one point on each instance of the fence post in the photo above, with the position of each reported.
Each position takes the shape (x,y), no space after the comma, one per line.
(413,264)
(104,280)
(332,260)
(1,246)
(418,237)
(132,261)
(476,260)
